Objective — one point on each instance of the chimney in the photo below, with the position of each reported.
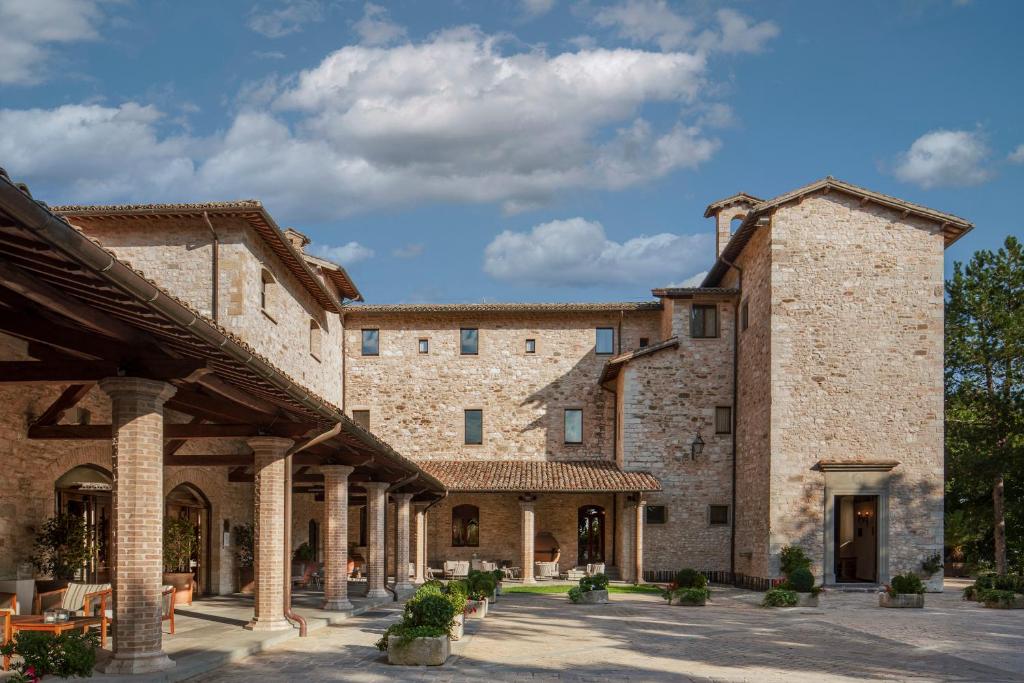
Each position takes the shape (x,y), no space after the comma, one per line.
(297,239)
(725,211)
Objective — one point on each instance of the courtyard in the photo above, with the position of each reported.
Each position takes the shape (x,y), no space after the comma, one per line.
(638,638)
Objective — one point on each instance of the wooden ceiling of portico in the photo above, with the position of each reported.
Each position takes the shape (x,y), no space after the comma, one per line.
(81,328)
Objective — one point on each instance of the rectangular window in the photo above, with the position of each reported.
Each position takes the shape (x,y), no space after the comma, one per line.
(573,425)
(723,420)
(424,346)
(745,315)
(656,514)
(644,341)
(362,418)
(718,515)
(474,427)
(531,346)
(371,342)
(605,340)
(703,321)
(469,341)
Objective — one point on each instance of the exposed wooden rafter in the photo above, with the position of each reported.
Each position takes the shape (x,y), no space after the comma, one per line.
(68,399)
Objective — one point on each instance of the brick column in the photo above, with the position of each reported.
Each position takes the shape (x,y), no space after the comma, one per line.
(402,501)
(528,536)
(376,499)
(268,497)
(137,416)
(638,542)
(336,537)
(421,543)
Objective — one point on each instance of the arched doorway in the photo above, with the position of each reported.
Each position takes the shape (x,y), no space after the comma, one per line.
(590,526)
(86,492)
(185,501)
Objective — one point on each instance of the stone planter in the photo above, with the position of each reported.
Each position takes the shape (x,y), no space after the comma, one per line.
(497,589)
(594,598)
(901,600)
(476,609)
(806,600)
(418,651)
(1016,603)
(459,628)
(688,603)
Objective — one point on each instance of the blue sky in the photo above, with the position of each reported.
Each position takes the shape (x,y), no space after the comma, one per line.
(514,150)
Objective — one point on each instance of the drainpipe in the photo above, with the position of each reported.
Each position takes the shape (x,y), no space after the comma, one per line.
(215,266)
(735,410)
(288,613)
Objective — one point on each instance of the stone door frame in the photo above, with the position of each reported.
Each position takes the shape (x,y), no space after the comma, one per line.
(857,482)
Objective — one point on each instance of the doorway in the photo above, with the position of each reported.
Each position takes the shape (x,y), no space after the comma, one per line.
(85,492)
(187,502)
(856,539)
(590,526)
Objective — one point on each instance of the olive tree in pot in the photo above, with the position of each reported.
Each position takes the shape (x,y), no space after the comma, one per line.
(179,546)
(245,557)
(61,548)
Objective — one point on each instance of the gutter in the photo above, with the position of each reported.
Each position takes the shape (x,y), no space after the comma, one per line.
(215,265)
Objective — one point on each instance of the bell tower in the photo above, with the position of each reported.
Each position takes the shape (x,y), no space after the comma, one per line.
(725,211)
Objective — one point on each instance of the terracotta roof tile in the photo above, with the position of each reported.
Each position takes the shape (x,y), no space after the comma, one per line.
(537,476)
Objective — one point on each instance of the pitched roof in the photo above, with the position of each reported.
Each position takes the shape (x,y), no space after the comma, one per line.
(506,307)
(689,292)
(953,227)
(249,209)
(338,275)
(738,198)
(614,365)
(536,476)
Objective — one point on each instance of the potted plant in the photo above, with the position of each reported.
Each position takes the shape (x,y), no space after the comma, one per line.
(455,591)
(421,638)
(780,597)
(476,604)
(801,581)
(1000,591)
(905,590)
(593,590)
(689,588)
(61,548)
(179,547)
(245,549)
(481,586)
(499,576)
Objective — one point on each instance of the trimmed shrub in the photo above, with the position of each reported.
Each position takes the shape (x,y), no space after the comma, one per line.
(428,614)
(575,594)
(597,582)
(1004,597)
(690,596)
(906,584)
(481,584)
(792,558)
(780,597)
(690,578)
(801,580)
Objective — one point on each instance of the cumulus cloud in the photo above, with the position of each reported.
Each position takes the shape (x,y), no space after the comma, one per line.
(945,158)
(346,254)
(286,17)
(408,251)
(577,252)
(654,21)
(28,28)
(536,8)
(1017,155)
(376,28)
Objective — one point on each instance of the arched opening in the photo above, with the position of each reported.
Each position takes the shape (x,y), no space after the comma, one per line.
(186,501)
(86,492)
(465,526)
(590,526)
(735,223)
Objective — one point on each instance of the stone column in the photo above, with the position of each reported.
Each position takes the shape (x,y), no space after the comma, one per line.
(402,501)
(421,543)
(376,499)
(137,416)
(638,542)
(528,536)
(268,497)
(336,536)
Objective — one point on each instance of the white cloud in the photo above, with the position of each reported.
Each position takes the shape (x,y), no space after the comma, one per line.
(289,16)
(1017,155)
(692,281)
(536,8)
(577,252)
(28,27)
(346,254)
(408,251)
(376,28)
(655,21)
(945,158)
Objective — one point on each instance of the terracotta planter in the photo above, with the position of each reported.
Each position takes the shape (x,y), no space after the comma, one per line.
(246,580)
(418,651)
(1016,603)
(594,598)
(911,600)
(476,609)
(459,629)
(183,582)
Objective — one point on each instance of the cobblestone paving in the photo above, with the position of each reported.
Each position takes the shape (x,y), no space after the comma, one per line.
(639,638)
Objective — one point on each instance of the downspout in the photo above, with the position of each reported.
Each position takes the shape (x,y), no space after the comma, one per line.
(214,298)
(288,613)
(735,410)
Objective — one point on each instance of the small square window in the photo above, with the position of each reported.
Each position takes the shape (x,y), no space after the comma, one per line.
(703,321)
(371,342)
(469,341)
(605,343)
(474,427)
(362,418)
(573,425)
(424,346)
(644,341)
(745,315)
(656,514)
(531,346)
(723,420)
(718,515)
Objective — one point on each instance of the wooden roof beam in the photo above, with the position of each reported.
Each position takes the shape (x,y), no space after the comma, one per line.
(68,399)
(85,371)
(171,431)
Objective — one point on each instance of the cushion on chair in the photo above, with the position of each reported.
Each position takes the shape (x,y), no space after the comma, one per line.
(166,601)
(74,596)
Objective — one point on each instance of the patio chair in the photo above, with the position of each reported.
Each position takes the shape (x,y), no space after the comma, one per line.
(79,598)
(167,606)
(307,576)
(9,602)
(456,569)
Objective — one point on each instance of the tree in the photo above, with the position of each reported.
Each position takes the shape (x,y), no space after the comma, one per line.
(984,387)
(62,546)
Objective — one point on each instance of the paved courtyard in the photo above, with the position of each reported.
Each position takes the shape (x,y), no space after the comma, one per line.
(639,638)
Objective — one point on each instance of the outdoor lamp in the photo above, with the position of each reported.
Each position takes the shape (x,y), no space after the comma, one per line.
(697,447)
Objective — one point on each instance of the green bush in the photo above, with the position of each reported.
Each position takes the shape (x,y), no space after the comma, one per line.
(906,584)
(932,564)
(996,595)
(792,558)
(428,614)
(780,597)
(690,596)
(801,580)
(481,584)
(69,654)
(690,578)
(1008,582)
(597,582)
(575,593)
